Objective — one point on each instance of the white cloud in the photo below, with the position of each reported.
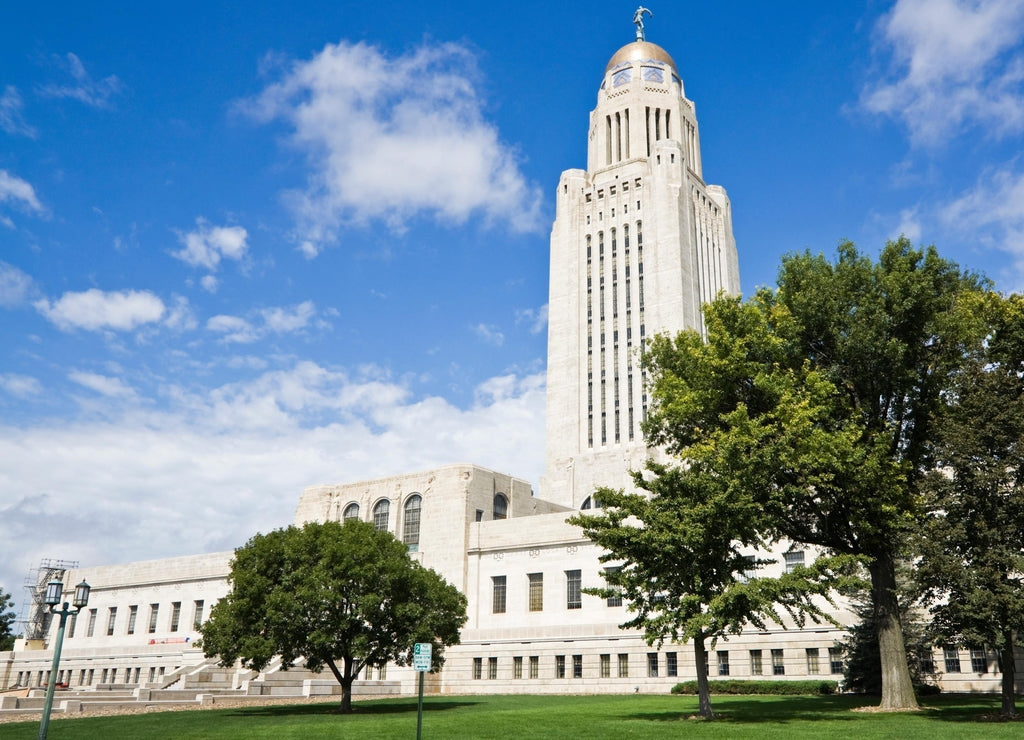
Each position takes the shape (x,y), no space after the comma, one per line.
(536,319)
(955,64)
(207,245)
(15,285)
(909,226)
(233,329)
(102,384)
(15,189)
(274,320)
(11,120)
(83,88)
(20,385)
(992,215)
(209,283)
(389,138)
(95,309)
(283,320)
(223,464)
(180,316)
(490,334)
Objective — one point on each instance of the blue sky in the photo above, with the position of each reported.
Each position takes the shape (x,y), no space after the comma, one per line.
(247,250)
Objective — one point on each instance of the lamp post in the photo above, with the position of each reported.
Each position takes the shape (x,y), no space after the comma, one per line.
(54,591)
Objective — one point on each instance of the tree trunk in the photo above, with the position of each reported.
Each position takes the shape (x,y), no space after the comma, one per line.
(897,688)
(703,690)
(345,679)
(1006,665)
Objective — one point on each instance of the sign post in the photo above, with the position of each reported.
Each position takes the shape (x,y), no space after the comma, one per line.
(421,658)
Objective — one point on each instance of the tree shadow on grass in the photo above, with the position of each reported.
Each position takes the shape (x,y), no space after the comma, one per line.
(952,708)
(405,706)
(778,710)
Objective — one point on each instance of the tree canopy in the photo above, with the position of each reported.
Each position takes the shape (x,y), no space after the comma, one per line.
(972,546)
(682,569)
(821,396)
(332,594)
(7,617)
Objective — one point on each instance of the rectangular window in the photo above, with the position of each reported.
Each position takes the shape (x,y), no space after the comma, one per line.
(492,668)
(616,598)
(478,668)
(573,584)
(197,614)
(92,623)
(152,673)
(498,595)
(88,677)
(778,663)
(835,660)
(111,620)
(113,675)
(72,625)
(723,662)
(979,660)
(133,613)
(534,666)
(652,665)
(577,666)
(517,667)
(671,664)
(154,610)
(812,661)
(928,663)
(536,591)
(175,615)
(559,666)
(623,665)
(606,665)
(756,668)
(793,559)
(951,657)
(103,677)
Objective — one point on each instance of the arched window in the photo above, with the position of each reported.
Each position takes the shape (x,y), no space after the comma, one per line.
(351,512)
(500,506)
(380,515)
(411,522)
(591,501)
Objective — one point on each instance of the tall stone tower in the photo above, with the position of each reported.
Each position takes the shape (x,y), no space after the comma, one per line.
(639,243)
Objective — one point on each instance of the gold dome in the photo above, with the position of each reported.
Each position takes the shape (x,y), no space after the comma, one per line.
(639,50)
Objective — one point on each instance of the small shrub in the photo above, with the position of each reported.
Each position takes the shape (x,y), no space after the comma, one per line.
(781,688)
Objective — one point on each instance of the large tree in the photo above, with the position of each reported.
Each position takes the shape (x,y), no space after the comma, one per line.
(681,566)
(826,390)
(7,617)
(344,596)
(972,548)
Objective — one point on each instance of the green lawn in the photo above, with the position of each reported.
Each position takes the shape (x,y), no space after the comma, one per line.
(514,717)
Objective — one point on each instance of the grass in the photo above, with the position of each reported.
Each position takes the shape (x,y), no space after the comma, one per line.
(515,717)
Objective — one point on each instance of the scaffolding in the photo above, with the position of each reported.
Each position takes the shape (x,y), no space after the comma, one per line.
(36,615)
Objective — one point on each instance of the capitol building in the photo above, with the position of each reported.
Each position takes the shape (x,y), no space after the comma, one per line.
(639,242)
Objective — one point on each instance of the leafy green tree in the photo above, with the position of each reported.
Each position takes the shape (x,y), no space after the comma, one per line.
(7,617)
(972,548)
(824,392)
(332,594)
(683,573)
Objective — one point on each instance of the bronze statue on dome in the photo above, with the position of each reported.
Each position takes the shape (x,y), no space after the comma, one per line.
(638,21)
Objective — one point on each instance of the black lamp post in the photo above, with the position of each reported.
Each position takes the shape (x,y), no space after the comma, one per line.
(54,592)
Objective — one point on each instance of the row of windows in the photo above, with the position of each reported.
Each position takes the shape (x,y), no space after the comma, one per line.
(535,592)
(411,520)
(571,668)
(575,669)
(86,676)
(132,626)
